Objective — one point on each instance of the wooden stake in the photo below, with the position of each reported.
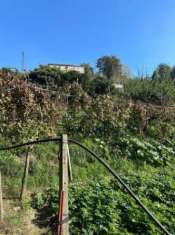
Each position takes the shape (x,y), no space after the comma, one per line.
(1,201)
(25,176)
(69,165)
(63,214)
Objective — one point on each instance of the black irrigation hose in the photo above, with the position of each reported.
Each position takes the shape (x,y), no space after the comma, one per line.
(31,143)
(132,194)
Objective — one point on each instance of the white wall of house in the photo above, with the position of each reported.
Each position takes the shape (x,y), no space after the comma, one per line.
(68,68)
(117,85)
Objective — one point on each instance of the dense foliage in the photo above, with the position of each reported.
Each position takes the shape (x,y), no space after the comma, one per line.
(103,208)
(131,128)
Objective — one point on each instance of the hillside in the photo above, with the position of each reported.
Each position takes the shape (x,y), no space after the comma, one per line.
(132,129)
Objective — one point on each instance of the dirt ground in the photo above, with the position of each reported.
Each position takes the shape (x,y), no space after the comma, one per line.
(18,221)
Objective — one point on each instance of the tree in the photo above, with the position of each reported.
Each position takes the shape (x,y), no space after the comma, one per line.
(126,71)
(88,70)
(160,92)
(109,66)
(100,86)
(75,77)
(172,74)
(9,73)
(46,76)
(162,72)
(54,78)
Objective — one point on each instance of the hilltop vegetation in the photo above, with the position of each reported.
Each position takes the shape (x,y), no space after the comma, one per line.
(131,128)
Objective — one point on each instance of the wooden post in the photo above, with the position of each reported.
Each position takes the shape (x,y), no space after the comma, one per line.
(69,165)
(63,213)
(25,176)
(1,201)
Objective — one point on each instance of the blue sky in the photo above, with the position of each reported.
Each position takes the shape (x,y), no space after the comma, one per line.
(140,32)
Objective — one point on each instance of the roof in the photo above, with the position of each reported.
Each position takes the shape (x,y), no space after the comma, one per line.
(66,65)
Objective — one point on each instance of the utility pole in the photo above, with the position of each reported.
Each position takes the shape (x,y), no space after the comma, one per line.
(23,62)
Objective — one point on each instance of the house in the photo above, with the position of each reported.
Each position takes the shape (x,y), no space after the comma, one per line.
(118,85)
(68,67)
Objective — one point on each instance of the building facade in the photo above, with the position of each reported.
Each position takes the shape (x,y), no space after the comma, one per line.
(68,67)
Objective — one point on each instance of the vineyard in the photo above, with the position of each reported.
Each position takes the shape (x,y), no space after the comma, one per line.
(131,130)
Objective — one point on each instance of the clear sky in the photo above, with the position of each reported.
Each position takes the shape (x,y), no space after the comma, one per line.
(140,32)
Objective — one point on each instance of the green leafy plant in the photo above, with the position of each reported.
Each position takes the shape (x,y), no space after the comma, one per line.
(103,208)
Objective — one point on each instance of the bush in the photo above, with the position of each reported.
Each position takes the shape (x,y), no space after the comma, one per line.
(140,150)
